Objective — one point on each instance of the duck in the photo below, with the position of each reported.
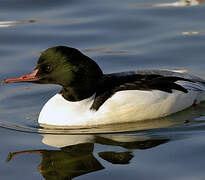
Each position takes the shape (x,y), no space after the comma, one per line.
(90,97)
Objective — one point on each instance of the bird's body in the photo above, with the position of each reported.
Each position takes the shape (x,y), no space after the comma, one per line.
(90,98)
(125,105)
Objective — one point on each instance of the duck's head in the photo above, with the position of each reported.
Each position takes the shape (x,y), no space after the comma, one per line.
(64,66)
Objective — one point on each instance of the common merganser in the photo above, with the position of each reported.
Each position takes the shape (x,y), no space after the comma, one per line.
(89,97)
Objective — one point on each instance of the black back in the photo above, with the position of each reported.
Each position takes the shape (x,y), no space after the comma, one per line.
(112,83)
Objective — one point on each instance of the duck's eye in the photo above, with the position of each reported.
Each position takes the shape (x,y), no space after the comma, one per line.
(47,69)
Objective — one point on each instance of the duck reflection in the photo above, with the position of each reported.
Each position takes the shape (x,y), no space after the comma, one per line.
(66,163)
(80,158)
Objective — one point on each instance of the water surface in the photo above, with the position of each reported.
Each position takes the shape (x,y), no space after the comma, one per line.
(119,36)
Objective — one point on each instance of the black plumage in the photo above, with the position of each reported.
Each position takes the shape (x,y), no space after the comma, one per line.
(112,83)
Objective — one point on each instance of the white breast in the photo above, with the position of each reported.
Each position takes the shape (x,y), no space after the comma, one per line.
(123,106)
(58,111)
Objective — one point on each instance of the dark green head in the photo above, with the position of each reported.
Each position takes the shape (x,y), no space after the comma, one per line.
(68,67)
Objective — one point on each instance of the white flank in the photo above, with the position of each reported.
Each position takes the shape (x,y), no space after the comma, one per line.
(123,106)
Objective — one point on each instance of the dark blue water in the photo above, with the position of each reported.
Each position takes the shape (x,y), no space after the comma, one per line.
(119,36)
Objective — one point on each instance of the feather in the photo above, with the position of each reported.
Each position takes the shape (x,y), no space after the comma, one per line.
(112,83)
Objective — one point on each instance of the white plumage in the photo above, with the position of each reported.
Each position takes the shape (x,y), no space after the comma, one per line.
(123,106)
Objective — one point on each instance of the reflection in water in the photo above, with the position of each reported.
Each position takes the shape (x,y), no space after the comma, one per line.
(116,157)
(77,159)
(66,163)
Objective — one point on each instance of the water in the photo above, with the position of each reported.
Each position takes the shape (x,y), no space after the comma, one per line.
(119,36)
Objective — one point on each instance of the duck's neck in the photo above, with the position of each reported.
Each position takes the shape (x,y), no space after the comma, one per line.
(84,83)
(76,93)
